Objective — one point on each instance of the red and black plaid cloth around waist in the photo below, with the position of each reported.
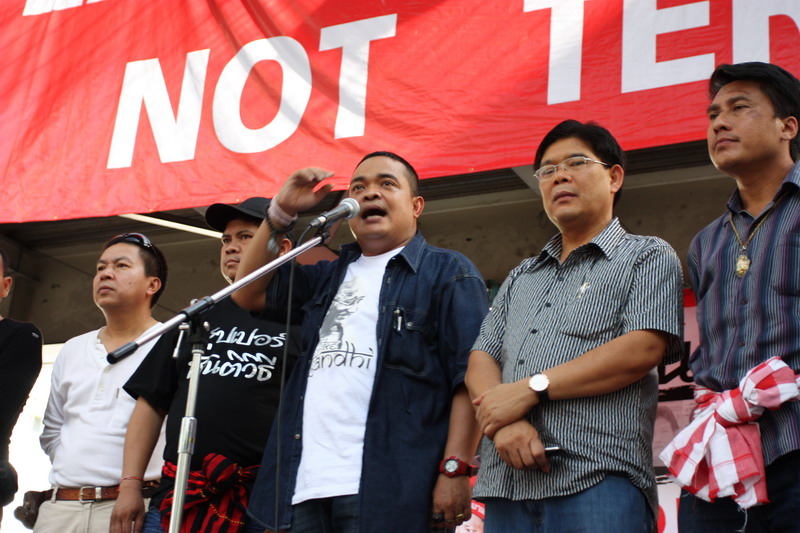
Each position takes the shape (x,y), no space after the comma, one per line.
(216,496)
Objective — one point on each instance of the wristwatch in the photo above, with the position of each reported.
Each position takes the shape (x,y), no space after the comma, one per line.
(453,466)
(539,384)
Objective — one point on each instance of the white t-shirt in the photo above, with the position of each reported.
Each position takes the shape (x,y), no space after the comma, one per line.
(340,382)
(88,412)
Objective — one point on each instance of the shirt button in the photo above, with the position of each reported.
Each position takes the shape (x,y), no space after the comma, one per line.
(521,362)
(534,331)
(547,304)
(744,301)
(560,278)
(297,436)
(102,388)
(741,344)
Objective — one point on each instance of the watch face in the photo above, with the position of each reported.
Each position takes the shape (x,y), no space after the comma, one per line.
(451,465)
(539,382)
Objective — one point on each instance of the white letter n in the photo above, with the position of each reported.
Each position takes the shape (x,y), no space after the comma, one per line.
(175,135)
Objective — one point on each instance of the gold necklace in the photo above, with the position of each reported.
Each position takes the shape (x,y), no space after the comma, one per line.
(743,262)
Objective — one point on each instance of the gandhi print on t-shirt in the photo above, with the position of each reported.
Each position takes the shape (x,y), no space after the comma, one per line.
(331,333)
(347,334)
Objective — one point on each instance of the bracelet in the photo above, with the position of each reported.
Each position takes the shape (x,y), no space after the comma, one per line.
(273,210)
(278,213)
(133,478)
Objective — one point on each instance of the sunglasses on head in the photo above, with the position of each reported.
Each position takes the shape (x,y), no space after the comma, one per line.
(140,239)
(135,238)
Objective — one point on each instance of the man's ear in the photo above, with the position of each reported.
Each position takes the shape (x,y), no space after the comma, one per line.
(5,286)
(419,205)
(286,245)
(789,130)
(153,286)
(617,177)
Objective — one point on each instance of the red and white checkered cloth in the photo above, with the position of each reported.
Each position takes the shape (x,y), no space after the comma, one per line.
(719,453)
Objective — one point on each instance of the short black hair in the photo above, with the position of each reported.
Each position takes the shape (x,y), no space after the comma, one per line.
(596,136)
(4,259)
(413,178)
(781,87)
(155,264)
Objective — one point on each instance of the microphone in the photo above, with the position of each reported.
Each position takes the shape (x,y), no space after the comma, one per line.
(348,208)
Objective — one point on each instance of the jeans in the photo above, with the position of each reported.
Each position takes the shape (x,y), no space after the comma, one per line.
(152,521)
(780,515)
(251,526)
(614,505)
(326,515)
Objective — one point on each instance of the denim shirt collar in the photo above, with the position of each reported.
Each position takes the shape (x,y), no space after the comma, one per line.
(411,254)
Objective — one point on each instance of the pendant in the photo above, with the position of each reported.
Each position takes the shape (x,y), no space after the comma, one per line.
(742,265)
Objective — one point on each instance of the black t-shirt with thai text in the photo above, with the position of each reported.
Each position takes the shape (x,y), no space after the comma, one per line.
(238,389)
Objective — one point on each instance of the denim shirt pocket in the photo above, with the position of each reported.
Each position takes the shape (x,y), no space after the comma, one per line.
(314,309)
(409,348)
(313,312)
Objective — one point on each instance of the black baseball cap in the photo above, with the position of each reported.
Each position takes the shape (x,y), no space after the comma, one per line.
(219,215)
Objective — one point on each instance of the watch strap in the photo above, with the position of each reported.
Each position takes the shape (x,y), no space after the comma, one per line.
(463,469)
(543,396)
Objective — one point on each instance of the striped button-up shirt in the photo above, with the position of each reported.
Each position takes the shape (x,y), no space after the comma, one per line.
(746,320)
(547,313)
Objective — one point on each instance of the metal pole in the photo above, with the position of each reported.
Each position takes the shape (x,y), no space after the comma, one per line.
(198,337)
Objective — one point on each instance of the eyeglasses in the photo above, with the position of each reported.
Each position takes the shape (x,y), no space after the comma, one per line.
(575,164)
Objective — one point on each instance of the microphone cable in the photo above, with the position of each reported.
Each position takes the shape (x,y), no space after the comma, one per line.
(281,388)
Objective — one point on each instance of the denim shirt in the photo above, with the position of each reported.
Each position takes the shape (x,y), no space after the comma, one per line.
(432,302)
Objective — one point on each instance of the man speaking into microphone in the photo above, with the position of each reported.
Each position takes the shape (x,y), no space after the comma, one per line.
(376,405)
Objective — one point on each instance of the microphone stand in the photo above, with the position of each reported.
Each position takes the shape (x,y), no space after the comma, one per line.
(198,337)
(190,319)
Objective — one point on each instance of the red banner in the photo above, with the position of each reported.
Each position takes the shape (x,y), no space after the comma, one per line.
(116,106)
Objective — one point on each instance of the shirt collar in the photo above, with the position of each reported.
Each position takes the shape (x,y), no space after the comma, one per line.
(607,241)
(792,180)
(411,253)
